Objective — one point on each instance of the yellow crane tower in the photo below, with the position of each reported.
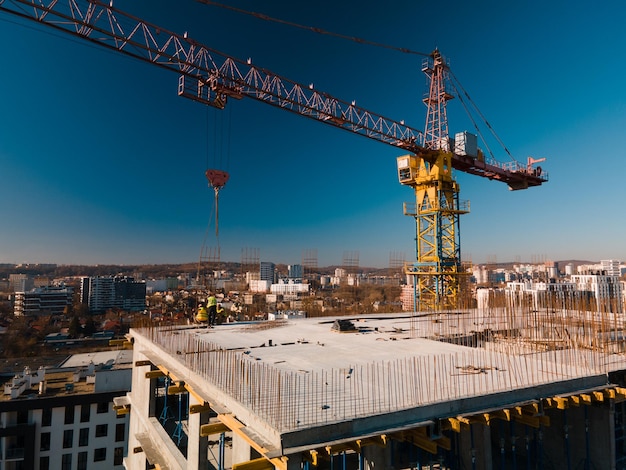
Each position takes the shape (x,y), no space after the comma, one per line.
(438,273)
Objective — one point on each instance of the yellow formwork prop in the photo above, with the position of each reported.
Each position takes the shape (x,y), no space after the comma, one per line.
(256,464)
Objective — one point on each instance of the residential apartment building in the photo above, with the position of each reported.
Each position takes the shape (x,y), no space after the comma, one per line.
(105,292)
(64,418)
(606,291)
(268,272)
(47,300)
(584,291)
(295,271)
(20,282)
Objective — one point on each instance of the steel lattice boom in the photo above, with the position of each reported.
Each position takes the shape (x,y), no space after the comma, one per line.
(211,77)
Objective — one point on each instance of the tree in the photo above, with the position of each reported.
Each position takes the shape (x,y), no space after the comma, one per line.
(90,327)
(74,329)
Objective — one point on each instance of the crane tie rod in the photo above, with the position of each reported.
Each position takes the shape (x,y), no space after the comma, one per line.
(314,29)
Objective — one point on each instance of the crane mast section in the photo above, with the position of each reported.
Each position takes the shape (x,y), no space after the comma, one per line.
(211,77)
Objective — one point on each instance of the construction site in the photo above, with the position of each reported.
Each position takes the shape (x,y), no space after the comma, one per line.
(444,386)
(498,388)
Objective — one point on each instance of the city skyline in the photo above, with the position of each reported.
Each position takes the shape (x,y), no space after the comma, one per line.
(104,164)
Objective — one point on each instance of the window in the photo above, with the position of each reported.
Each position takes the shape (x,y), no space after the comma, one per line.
(100,454)
(120,432)
(84,413)
(44,463)
(103,407)
(101,430)
(118,456)
(68,438)
(69,414)
(45,441)
(83,437)
(66,462)
(82,461)
(46,417)
(22,417)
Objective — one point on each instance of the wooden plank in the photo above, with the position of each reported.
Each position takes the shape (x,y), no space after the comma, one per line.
(213,428)
(256,464)
(176,389)
(203,408)
(154,374)
(426,444)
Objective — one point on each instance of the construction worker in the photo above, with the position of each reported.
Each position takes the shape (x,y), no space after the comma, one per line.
(220,312)
(202,316)
(212,305)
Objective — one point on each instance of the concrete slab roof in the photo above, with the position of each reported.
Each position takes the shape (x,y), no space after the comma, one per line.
(301,379)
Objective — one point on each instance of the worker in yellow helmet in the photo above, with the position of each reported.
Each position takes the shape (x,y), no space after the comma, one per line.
(220,312)
(202,316)
(212,305)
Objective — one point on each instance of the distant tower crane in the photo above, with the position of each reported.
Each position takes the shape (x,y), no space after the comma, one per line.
(210,77)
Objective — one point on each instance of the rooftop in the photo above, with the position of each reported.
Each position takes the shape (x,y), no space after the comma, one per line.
(75,375)
(372,373)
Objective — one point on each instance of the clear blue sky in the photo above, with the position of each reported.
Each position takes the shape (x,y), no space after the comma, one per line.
(101,162)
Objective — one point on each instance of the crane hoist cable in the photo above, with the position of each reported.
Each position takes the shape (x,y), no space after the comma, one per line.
(460,92)
(218,178)
(313,29)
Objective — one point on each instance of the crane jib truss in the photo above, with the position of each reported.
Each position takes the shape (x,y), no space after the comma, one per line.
(205,69)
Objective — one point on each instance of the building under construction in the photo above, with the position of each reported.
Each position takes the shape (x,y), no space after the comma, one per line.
(477,389)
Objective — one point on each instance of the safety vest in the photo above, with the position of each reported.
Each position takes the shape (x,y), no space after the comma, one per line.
(212,301)
(202,315)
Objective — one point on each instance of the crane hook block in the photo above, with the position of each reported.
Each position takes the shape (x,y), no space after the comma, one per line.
(217,178)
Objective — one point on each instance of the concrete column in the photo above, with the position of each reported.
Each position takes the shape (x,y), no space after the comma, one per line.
(475,447)
(197,447)
(242,452)
(601,435)
(294,462)
(142,405)
(579,433)
(377,457)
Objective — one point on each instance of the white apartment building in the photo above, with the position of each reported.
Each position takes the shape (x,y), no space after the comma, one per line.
(289,288)
(599,292)
(605,290)
(48,300)
(64,418)
(611,267)
(541,294)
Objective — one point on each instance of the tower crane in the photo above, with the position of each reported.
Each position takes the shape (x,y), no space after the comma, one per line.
(213,78)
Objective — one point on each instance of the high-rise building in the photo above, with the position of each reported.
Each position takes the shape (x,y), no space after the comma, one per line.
(295,271)
(130,295)
(268,271)
(104,292)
